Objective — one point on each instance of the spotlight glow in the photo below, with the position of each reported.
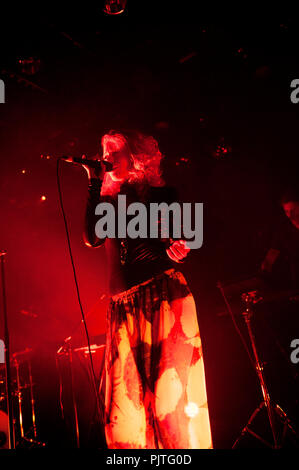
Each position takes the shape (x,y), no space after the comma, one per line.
(191,409)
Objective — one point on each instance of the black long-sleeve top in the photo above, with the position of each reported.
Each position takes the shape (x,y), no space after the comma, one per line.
(131,261)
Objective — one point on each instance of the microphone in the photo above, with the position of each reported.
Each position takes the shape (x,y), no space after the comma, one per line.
(88,162)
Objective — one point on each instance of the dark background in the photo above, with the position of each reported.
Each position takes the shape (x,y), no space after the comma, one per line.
(215,92)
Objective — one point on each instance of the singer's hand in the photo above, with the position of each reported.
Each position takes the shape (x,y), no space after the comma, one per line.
(178,251)
(98,172)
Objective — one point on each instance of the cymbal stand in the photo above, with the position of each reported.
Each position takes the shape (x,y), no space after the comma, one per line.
(19,395)
(66,349)
(24,436)
(32,401)
(274,411)
(70,354)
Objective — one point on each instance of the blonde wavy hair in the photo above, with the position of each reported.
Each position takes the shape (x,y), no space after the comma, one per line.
(145,155)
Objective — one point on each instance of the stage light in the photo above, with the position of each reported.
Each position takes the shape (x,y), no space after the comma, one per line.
(43,198)
(114,7)
(223,150)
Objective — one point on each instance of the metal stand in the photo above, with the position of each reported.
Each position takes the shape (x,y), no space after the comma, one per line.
(7,358)
(73,395)
(274,412)
(32,401)
(67,349)
(20,399)
(28,438)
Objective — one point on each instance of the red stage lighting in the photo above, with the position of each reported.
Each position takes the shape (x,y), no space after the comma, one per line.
(114,7)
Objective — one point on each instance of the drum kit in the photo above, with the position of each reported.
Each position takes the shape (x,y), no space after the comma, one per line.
(241,299)
(18,428)
(76,400)
(23,403)
(79,405)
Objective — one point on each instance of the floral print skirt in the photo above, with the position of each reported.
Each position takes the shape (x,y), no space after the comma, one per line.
(154,378)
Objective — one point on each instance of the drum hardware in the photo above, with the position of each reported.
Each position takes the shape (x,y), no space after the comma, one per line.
(11,441)
(233,293)
(23,399)
(94,348)
(66,349)
(2,390)
(4,430)
(32,401)
(72,360)
(275,413)
(30,436)
(19,396)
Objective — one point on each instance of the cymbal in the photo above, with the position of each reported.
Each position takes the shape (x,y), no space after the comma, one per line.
(93,347)
(240,286)
(234,291)
(280,295)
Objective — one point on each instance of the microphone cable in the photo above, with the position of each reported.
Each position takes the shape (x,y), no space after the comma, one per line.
(97,397)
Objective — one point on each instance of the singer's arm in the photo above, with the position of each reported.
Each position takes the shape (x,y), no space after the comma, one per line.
(93,199)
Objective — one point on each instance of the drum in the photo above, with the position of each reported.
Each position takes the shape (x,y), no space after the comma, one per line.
(4,430)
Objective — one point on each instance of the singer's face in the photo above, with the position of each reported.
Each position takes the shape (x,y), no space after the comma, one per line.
(120,159)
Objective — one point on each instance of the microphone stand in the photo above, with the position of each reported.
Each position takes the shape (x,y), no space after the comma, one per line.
(7,358)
